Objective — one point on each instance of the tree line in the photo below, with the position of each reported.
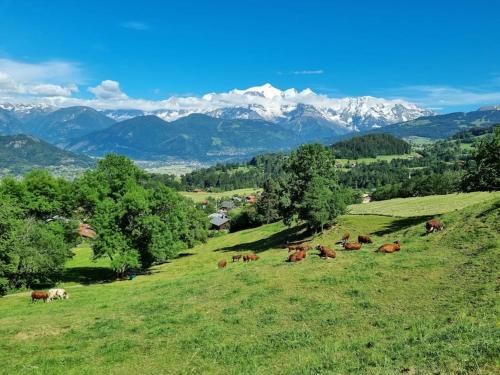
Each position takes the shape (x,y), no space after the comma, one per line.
(139,221)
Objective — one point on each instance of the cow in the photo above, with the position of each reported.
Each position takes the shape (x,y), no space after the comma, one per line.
(222,263)
(364,239)
(36,295)
(299,247)
(351,245)
(326,252)
(390,247)
(236,258)
(297,256)
(250,257)
(345,237)
(57,293)
(433,225)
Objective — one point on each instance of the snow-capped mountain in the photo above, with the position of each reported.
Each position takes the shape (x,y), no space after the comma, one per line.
(26,111)
(288,106)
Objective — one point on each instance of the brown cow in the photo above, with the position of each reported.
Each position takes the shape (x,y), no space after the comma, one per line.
(222,263)
(236,258)
(351,245)
(297,256)
(433,225)
(250,257)
(35,295)
(299,247)
(326,252)
(390,247)
(364,239)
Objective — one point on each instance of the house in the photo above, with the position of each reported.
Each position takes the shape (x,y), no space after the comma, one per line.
(219,221)
(227,205)
(366,198)
(250,199)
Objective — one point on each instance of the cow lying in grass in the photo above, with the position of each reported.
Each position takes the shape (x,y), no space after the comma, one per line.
(297,256)
(433,225)
(57,293)
(299,247)
(37,295)
(390,247)
(222,263)
(326,252)
(351,245)
(364,239)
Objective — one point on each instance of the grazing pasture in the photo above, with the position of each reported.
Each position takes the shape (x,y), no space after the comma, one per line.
(200,197)
(420,206)
(432,307)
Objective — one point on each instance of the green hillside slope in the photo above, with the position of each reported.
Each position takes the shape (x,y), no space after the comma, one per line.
(430,308)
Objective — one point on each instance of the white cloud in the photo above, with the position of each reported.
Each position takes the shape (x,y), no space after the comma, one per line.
(448,96)
(308,72)
(52,71)
(108,90)
(135,25)
(50,78)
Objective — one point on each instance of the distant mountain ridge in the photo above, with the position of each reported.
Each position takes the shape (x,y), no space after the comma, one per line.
(195,137)
(442,126)
(21,153)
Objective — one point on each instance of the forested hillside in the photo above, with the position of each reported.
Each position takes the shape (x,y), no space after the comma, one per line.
(22,153)
(370,146)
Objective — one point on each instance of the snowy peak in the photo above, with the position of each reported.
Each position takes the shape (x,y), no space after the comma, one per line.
(268,103)
(265,91)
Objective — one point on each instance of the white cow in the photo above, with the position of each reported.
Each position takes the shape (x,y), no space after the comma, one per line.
(57,293)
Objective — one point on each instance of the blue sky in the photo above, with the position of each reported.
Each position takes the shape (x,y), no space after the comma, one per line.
(441,54)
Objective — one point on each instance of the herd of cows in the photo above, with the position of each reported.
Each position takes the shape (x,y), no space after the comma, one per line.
(299,251)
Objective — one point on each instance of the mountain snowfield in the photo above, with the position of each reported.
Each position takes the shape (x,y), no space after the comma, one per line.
(267,103)
(271,104)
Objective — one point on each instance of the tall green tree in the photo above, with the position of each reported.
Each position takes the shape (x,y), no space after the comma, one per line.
(268,205)
(139,223)
(484,172)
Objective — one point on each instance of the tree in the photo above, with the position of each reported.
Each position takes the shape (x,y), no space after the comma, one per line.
(140,223)
(267,206)
(321,204)
(484,172)
(308,167)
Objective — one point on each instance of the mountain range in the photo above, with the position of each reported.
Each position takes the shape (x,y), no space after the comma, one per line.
(443,126)
(232,125)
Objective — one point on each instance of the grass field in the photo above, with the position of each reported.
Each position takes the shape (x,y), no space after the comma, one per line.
(420,206)
(200,197)
(431,308)
(387,158)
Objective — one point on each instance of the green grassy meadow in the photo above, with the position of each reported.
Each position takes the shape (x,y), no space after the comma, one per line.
(419,206)
(200,197)
(386,158)
(431,308)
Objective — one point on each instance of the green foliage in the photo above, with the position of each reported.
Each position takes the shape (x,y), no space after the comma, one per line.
(420,186)
(139,223)
(268,205)
(320,205)
(40,194)
(370,146)
(31,251)
(484,172)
